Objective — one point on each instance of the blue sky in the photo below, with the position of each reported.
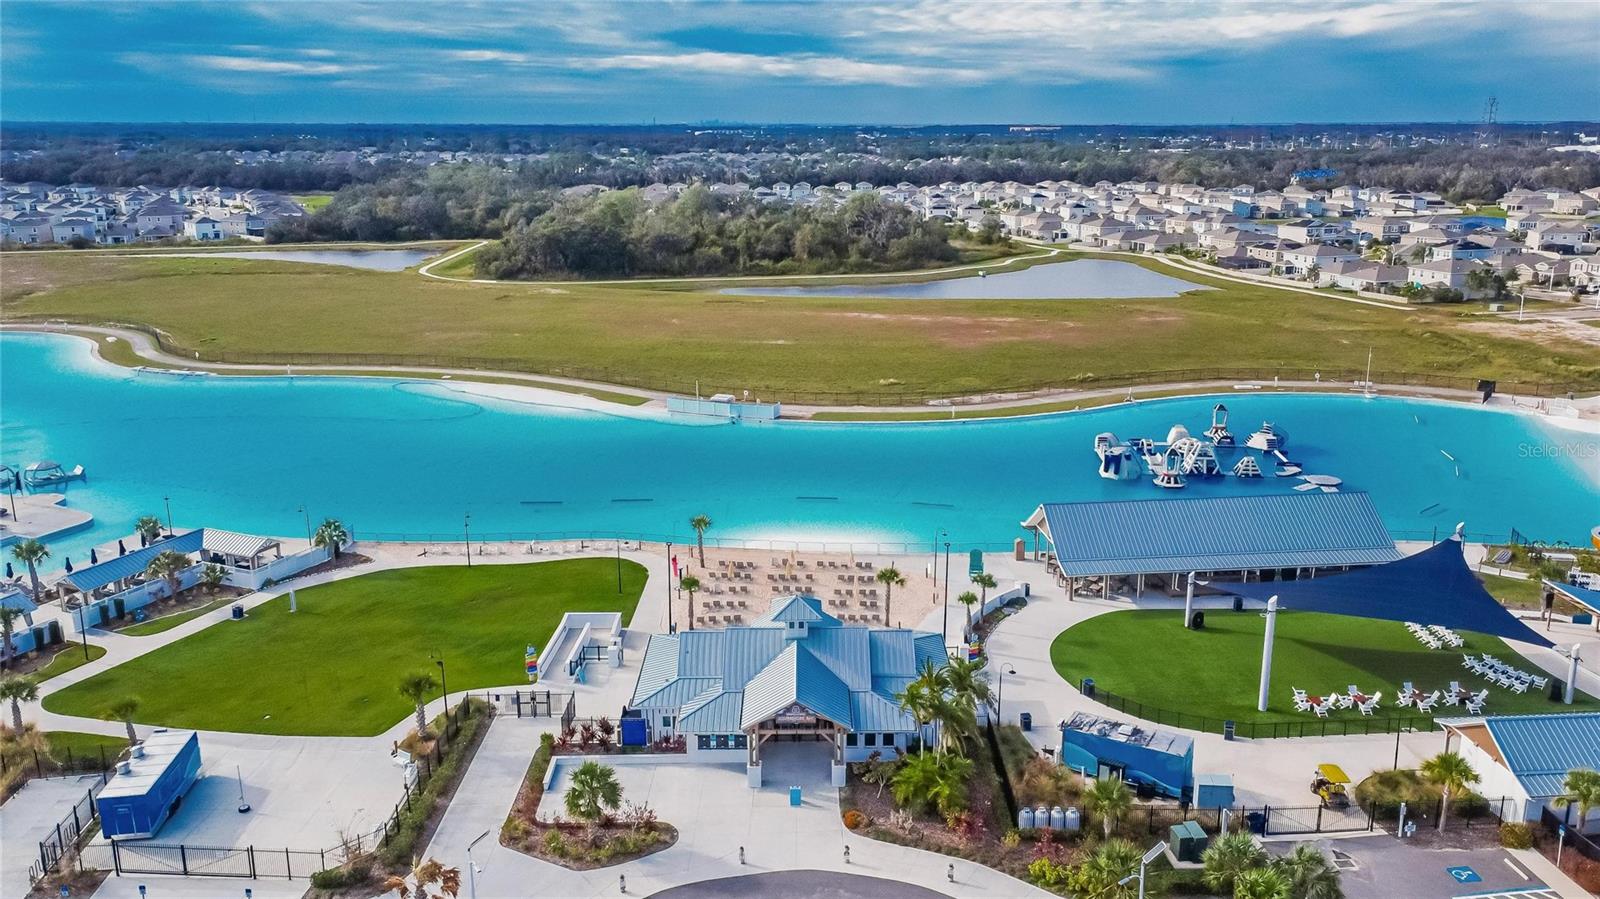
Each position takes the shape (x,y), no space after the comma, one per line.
(912,62)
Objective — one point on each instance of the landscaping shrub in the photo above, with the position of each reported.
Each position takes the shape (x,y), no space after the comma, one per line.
(338,878)
(1516,835)
(854,820)
(413,819)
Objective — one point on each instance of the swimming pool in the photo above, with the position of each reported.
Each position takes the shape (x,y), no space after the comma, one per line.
(1077,279)
(409,456)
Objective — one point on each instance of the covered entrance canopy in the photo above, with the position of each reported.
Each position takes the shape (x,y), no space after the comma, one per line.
(1582,597)
(1434,586)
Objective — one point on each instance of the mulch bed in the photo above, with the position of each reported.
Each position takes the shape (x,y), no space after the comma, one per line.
(525,832)
(346,559)
(192,598)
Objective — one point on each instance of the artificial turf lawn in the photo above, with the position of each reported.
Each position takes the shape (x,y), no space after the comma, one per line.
(333,668)
(168,622)
(797,349)
(1147,656)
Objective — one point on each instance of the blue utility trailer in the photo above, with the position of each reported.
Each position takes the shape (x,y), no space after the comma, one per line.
(1158,760)
(148,787)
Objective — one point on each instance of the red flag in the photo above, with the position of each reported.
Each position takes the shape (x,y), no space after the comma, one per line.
(674,566)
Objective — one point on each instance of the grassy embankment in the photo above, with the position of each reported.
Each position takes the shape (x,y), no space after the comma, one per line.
(787,348)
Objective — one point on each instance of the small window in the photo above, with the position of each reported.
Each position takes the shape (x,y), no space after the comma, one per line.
(869,739)
(740,741)
(666,720)
(888,739)
(849,739)
(722,741)
(703,742)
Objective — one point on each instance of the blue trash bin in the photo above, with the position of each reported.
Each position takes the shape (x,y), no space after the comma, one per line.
(1088,687)
(794,796)
(1227,729)
(1026,719)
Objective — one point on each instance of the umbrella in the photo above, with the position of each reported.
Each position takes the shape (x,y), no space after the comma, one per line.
(143,540)
(121,550)
(93,559)
(9,575)
(68,561)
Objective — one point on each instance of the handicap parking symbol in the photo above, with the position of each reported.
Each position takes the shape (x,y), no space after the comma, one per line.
(1463,874)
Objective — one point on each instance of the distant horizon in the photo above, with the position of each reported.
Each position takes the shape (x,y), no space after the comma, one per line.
(719,123)
(894,62)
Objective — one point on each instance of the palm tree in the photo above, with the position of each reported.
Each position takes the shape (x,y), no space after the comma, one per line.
(701,523)
(124,710)
(924,699)
(18,690)
(1583,791)
(890,577)
(31,552)
(331,533)
(930,780)
(594,789)
(985,582)
(967,683)
(418,884)
(1102,874)
(1261,883)
(689,584)
(1110,799)
(169,565)
(149,527)
(1227,857)
(968,599)
(212,576)
(8,621)
(418,687)
(1452,774)
(1309,874)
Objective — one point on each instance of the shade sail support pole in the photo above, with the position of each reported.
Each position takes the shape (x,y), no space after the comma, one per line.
(1266,654)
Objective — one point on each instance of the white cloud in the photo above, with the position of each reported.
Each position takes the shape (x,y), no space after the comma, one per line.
(810,67)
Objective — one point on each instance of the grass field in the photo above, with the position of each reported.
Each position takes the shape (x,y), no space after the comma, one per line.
(66,659)
(168,622)
(784,348)
(82,745)
(312,202)
(332,668)
(1215,671)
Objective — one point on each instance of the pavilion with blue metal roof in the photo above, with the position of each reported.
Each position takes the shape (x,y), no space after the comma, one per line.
(796,673)
(1528,757)
(1242,537)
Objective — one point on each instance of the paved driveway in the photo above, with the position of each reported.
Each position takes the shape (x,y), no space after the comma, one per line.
(1386,867)
(25,819)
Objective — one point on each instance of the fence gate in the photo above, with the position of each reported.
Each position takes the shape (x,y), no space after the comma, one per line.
(208,861)
(536,703)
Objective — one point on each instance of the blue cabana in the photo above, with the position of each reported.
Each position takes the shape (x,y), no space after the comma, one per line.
(1434,586)
(1101,747)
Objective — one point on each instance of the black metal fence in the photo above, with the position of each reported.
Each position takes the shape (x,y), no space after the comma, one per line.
(1309,726)
(141,857)
(906,395)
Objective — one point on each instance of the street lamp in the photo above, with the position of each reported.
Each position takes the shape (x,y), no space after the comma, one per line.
(466,529)
(303,511)
(945,629)
(168,501)
(1000,693)
(472,870)
(438,660)
(1152,855)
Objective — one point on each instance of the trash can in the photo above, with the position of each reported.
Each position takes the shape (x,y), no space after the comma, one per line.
(1088,687)
(1026,720)
(794,796)
(1197,621)
(1238,604)
(1583,618)
(1558,689)
(1227,729)
(238,611)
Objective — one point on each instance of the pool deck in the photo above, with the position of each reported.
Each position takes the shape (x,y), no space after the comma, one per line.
(1580,413)
(40,516)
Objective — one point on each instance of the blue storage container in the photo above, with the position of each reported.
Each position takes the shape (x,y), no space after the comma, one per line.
(1213,791)
(148,787)
(635,732)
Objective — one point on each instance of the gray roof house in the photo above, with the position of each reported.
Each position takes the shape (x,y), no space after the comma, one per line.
(795,674)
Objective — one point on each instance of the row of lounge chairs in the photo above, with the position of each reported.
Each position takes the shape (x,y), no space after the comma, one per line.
(1497,672)
(1435,637)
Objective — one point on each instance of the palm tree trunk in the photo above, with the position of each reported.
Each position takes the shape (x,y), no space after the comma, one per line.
(5,646)
(422,720)
(133,736)
(1444,807)
(888,592)
(16,718)
(1105,823)
(700,540)
(33,575)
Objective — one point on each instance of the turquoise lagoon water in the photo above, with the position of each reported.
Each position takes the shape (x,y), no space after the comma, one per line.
(377,260)
(405,456)
(1075,280)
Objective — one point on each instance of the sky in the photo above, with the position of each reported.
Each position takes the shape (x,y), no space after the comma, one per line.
(908,62)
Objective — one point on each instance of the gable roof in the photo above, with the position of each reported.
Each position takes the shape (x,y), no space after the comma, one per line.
(112,570)
(796,608)
(1541,749)
(796,677)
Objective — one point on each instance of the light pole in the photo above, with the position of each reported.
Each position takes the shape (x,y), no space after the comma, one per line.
(466,529)
(1000,693)
(670,628)
(168,501)
(945,628)
(1152,855)
(472,870)
(619,564)
(305,512)
(439,660)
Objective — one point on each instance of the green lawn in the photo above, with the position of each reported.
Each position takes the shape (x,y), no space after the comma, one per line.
(167,622)
(331,669)
(312,202)
(795,349)
(72,744)
(1215,671)
(1518,593)
(66,659)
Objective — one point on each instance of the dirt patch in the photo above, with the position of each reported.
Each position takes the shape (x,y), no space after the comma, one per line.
(1555,333)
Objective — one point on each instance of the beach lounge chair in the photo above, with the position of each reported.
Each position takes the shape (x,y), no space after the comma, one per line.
(1519,686)
(1321,711)
(1474,707)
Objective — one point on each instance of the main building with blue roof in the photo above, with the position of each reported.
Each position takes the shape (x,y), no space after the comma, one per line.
(795,674)
(1527,758)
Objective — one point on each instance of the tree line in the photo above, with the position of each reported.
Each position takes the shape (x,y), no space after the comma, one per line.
(619,234)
